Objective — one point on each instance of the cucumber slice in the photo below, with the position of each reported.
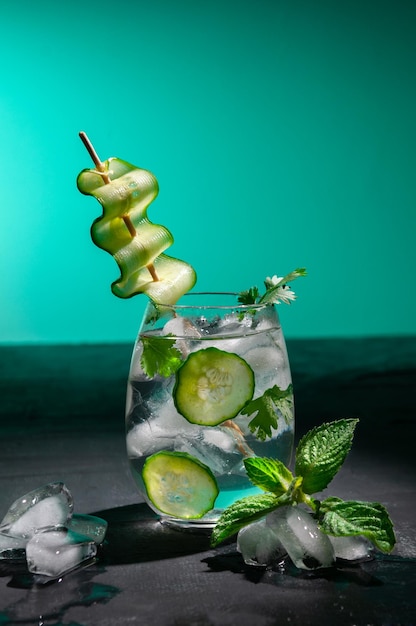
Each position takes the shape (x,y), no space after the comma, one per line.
(212,386)
(180,485)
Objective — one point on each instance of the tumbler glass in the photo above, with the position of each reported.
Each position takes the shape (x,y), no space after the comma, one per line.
(209,385)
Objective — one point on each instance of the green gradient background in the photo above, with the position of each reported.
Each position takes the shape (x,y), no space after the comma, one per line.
(282,135)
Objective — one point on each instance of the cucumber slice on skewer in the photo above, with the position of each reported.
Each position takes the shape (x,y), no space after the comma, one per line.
(212,386)
(179,485)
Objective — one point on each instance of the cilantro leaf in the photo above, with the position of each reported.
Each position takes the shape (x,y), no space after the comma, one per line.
(370,519)
(300,271)
(269,474)
(249,296)
(322,451)
(243,512)
(159,356)
(265,407)
(278,289)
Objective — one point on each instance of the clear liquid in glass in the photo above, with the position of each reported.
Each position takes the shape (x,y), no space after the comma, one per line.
(153,424)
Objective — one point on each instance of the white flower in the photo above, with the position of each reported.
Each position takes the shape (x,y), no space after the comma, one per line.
(278,291)
(285,294)
(273,281)
(277,288)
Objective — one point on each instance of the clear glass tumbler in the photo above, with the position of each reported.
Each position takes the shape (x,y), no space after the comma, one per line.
(209,386)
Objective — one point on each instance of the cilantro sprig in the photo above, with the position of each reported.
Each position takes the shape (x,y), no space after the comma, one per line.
(264,407)
(319,456)
(277,290)
(160,356)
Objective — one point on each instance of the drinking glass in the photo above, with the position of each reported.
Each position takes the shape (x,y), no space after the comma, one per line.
(205,351)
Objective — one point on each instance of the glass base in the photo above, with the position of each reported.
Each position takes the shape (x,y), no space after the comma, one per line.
(204,525)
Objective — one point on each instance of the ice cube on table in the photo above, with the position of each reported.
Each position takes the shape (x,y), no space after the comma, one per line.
(307,546)
(55,552)
(50,505)
(259,545)
(355,548)
(88,525)
(12,548)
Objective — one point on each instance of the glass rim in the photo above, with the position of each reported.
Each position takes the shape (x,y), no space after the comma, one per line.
(233,305)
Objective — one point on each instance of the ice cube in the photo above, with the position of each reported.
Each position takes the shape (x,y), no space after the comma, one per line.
(181,327)
(271,367)
(251,326)
(143,440)
(228,438)
(236,324)
(235,345)
(88,525)
(12,548)
(220,437)
(307,546)
(159,431)
(216,448)
(351,548)
(8,541)
(58,551)
(259,545)
(50,505)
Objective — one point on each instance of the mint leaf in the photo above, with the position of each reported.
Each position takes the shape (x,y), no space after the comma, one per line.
(243,512)
(268,474)
(249,296)
(265,408)
(370,519)
(320,454)
(159,356)
(322,451)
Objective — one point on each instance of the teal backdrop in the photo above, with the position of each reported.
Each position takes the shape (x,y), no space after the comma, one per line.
(282,134)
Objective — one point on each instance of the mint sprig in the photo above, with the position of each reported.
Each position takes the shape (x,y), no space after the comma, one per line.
(321,452)
(277,290)
(243,512)
(269,474)
(346,518)
(319,456)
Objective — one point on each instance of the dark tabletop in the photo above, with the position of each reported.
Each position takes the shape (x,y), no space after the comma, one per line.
(62,418)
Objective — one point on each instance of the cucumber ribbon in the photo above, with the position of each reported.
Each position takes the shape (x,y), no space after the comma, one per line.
(124,230)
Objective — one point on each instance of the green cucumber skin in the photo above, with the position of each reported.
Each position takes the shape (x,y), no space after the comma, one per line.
(194,472)
(210,357)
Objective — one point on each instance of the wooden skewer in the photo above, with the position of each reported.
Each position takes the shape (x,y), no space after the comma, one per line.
(100,167)
(127,220)
(91,151)
(241,443)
